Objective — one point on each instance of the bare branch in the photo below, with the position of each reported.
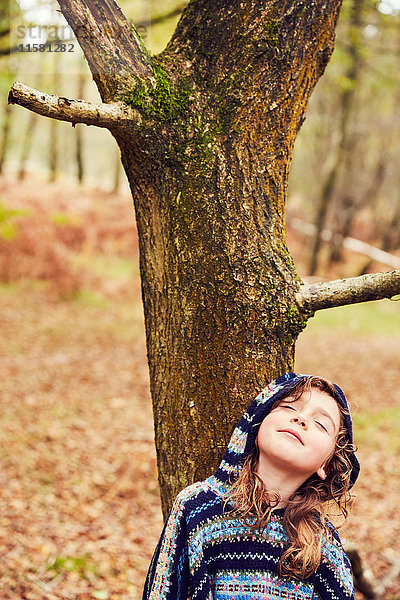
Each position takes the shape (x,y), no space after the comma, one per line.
(115,53)
(110,116)
(373,286)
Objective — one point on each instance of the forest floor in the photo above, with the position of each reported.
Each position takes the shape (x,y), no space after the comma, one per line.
(79,506)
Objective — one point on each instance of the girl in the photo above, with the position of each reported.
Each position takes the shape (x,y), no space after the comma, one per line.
(257,530)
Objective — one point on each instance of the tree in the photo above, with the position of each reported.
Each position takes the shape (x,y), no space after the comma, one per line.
(343,165)
(206,131)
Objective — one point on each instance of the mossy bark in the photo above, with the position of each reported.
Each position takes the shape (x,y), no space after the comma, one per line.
(208,169)
(218,289)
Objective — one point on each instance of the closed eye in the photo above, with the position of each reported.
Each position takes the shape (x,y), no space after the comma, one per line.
(322,426)
(288,406)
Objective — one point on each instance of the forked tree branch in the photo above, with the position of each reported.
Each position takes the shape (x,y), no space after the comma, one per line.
(373,286)
(113,49)
(110,116)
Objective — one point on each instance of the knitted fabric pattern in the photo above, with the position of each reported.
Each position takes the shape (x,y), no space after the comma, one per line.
(203,554)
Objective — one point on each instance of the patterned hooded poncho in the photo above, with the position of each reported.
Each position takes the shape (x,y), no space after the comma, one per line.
(203,556)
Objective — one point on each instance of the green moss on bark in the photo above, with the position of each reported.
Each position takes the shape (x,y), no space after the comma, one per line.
(159,97)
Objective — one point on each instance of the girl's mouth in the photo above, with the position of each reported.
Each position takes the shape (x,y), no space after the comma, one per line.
(292,434)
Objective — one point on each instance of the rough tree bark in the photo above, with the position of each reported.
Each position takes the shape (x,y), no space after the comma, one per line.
(206,131)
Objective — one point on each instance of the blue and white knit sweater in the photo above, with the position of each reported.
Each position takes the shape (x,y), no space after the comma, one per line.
(204,555)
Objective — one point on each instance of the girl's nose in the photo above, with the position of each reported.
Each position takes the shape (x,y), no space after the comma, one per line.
(302,422)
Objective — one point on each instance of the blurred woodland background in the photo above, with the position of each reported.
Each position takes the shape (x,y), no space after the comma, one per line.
(79,505)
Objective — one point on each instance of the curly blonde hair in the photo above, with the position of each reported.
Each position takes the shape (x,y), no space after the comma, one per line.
(305,512)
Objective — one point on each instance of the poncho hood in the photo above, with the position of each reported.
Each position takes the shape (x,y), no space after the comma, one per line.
(243,438)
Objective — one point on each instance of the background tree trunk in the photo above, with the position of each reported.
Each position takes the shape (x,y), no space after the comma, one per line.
(28,139)
(79,154)
(117,172)
(54,128)
(27,145)
(341,171)
(5,136)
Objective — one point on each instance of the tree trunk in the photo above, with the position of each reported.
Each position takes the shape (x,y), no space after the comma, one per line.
(209,184)
(53,145)
(391,238)
(206,132)
(78,132)
(5,136)
(218,299)
(117,172)
(350,204)
(28,138)
(344,160)
(27,145)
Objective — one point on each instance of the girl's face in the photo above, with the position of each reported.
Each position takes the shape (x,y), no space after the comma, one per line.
(299,436)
